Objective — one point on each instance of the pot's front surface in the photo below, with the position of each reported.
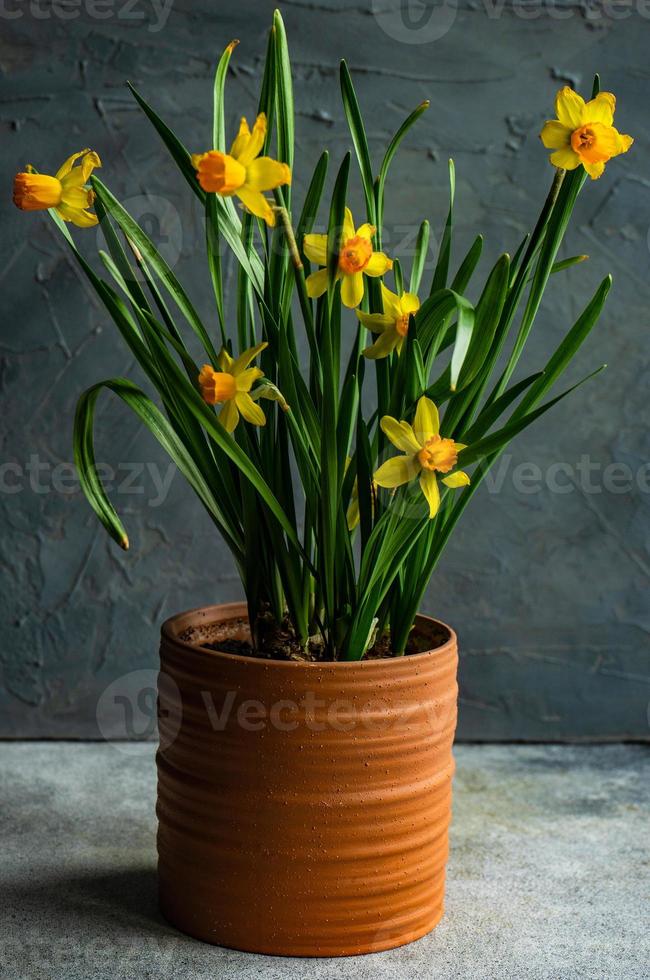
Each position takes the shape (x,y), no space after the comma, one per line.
(303,808)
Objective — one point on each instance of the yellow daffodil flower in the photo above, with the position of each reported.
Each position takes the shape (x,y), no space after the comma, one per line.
(425,454)
(583,132)
(242,171)
(392,325)
(66,192)
(356,257)
(231,385)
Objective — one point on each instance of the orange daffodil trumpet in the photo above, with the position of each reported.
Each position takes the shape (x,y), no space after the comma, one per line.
(230,386)
(392,325)
(356,259)
(242,172)
(425,453)
(583,132)
(66,192)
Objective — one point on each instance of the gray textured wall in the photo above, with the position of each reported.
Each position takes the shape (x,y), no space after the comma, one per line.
(548,590)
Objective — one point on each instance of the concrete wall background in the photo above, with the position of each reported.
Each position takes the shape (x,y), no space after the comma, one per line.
(548,590)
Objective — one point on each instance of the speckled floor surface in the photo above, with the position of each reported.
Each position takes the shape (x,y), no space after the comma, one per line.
(548,876)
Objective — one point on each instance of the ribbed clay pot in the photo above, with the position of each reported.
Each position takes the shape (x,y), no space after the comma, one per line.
(303,808)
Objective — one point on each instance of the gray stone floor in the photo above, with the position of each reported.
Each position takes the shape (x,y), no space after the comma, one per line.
(548,876)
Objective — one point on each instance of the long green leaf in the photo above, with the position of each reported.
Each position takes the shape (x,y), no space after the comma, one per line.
(284,90)
(441,271)
(390,153)
(218,123)
(151,255)
(420,257)
(359,139)
(160,428)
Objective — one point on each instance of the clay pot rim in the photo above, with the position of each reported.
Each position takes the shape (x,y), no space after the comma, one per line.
(238,610)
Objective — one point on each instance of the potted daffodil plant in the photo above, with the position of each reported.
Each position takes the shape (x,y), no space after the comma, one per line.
(334,426)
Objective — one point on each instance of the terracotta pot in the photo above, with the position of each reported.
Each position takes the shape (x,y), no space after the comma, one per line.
(303,808)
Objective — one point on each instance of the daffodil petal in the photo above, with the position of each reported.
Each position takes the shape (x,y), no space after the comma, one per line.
(77,197)
(378,264)
(595,170)
(624,142)
(249,409)
(409,303)
(89,162)
(567,159)
(82,219)
(383,346)
(568,107)
(348,225)
(241,140)
(229,416)
(255,143)
(366,231)
(429,487)
(246,357)
(601,109)
(66,167)
(377,322)
(246,379)
(352,290)
(263,174)
(315,248)
(225,361)
(555,136)
(400,434)
(391,302)
(427,420)
(74,179)
(457,479)
(316,283)
(256,204)
(396,471)
(78,176)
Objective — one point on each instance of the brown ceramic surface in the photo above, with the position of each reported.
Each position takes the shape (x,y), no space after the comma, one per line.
(303,808)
